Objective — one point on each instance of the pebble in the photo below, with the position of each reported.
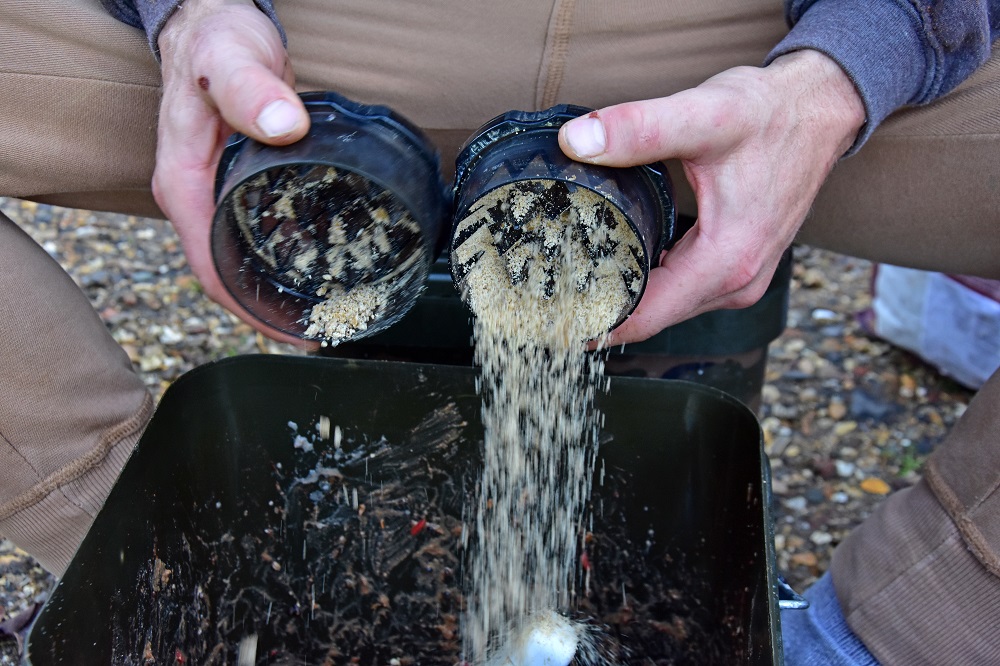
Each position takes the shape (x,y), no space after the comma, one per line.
(840,497)
(170,336)
(847,453)
(821,538)
(865,405)
(806,559)
(783,411)
(845,428)
(834,331)
(824,316)
(815,496)
(845,469)
(808,394)
(875,486)
(837,410)
(812,278)
(797,504)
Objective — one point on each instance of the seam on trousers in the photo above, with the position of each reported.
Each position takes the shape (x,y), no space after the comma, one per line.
(967,529)
(80,466)
(35,75)
(553,63)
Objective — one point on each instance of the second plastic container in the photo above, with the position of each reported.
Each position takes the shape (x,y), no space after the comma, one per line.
(330,238)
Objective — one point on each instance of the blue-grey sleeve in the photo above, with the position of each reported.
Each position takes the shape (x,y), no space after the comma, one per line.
(897,52)
(151,15)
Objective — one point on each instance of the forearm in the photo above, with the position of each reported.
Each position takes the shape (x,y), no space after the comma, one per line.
(896,52)
(151,15)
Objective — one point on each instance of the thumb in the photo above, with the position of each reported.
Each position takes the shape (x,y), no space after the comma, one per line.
(687,125)
(255,101)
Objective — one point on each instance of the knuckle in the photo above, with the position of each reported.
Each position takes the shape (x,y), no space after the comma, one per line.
(748,296)
(158,187)
(741,274)
(634,129)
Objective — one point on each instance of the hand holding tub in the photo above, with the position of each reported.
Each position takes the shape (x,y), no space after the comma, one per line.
(224,70)
(756,144)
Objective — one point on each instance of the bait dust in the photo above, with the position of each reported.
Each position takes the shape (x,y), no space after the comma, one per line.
(335,239)
(520,240)
(544,266)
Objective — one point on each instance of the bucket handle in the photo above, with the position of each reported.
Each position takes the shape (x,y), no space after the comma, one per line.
(789,599)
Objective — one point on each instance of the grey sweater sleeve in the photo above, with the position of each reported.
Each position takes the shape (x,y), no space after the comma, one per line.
(897,52)
(151,15)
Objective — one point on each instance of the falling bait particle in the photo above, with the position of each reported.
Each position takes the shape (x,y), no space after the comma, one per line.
(248,651)
(301,442)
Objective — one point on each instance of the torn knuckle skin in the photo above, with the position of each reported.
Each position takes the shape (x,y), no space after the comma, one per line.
(643,131)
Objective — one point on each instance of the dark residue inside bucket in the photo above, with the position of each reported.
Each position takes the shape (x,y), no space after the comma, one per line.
(362,559)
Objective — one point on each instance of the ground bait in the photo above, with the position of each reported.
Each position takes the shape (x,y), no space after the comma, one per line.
(520,240)
(544,267)
(348,248)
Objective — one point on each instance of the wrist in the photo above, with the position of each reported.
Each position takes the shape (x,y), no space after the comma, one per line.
(824,94)
(190,14)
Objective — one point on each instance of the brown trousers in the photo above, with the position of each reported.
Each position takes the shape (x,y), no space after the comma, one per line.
(77,128)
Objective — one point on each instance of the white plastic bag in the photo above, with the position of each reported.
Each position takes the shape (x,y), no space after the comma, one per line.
(952,322)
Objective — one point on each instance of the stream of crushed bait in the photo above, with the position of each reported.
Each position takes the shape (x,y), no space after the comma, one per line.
(538,386)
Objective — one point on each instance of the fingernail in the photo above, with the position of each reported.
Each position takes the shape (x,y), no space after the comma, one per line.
(585,136)
(278,118)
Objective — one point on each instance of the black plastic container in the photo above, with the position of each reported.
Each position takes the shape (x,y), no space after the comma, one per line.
(220,499)
(522,148)
(361,171)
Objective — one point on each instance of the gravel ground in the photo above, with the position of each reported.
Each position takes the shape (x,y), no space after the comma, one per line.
(847,418)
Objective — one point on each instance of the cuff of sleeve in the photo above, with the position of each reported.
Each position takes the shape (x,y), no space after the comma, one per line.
(876,43)
(155,15)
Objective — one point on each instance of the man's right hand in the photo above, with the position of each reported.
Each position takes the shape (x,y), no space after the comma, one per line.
(224,70)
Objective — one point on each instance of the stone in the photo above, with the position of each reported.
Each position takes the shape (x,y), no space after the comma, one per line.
(840,497)
(845,428)
(821,538)
(845,469)
(815,496)
(837,410)
(797,503)
(806,559)
(875,486)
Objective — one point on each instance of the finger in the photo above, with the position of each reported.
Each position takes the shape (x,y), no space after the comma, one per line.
(692,124)
(182,185)
(255,100)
